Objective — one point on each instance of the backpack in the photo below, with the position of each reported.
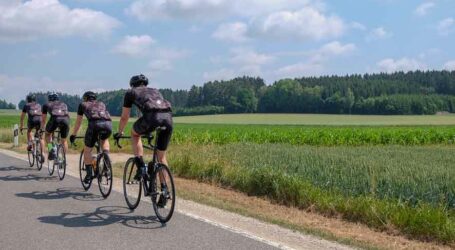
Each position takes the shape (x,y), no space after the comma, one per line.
(34,109)
(95,110)
(58,109)
(150,100)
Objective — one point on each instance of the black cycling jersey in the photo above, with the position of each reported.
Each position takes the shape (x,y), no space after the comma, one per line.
(146,99)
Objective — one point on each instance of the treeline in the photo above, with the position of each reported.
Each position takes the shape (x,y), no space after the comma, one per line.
(418,92)
(6,105)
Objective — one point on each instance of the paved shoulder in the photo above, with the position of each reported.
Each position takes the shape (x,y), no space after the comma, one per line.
(40,212)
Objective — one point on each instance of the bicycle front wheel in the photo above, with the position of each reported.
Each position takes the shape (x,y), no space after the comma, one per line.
(163,193)
(61,162)
(83,172)
(104,174)
(132,189)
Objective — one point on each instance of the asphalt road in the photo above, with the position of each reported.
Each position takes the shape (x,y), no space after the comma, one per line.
(40,212)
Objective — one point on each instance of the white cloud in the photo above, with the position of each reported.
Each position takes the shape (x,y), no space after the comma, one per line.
(207,9)
(134,46)
(336,48)
(446,26)
(305,24)
(221,74)
(423,8)
(358,26)
(33,19)
(232,32)
(163,59)
(242,56)
(160,65)
(403,64)
(378,34)
(450,65)
(300,69)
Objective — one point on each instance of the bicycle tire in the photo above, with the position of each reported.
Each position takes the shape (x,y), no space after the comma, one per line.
(129,182)
(82,172)
(104,174)
(31,158)
(163,213)
(39,156)
(61,162)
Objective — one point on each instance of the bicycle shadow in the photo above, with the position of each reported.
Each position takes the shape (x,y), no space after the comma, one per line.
(61,193)
(28,177)
(103,216)
(14,168)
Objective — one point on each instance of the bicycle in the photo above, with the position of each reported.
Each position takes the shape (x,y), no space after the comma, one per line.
(60,156)
(156,181)
(36,154)
(104,176)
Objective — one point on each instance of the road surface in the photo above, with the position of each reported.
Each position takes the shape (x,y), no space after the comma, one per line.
(41,212)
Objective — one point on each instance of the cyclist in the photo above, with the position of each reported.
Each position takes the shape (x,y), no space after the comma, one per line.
(99,124)
(59,119)
(156,112)
(33,110)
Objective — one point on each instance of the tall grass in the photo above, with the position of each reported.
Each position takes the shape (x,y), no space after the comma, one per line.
(390,188)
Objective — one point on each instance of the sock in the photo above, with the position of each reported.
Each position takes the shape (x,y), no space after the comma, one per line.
(89,168)
(139,161)
(106,151)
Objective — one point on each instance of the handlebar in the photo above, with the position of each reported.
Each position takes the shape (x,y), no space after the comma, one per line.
(77,137)
(148,137)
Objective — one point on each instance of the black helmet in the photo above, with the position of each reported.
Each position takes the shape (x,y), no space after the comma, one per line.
(89,96)
(52,97)
(31,98)
(139,80)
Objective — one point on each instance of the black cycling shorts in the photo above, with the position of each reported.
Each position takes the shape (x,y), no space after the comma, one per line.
(62,123)
(34,122)
(100,128)
(149,121)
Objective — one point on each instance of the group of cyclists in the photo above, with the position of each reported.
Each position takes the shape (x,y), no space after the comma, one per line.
(155,110)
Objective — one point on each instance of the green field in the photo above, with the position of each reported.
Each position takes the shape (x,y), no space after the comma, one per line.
(315,119)
(391,173)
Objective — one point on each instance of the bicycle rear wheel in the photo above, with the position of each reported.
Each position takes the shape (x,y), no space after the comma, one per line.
(132,189)
(104,174)
(163,193)
(38,156)
(31,157)
(50,167)
(83,172)
(61,162)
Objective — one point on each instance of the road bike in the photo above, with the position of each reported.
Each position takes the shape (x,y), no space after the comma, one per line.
(35,155)
(156,181)
(59,160)
(102,169)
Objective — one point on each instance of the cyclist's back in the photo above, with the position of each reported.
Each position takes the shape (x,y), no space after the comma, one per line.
(34,113)
(59,118)
(99,121)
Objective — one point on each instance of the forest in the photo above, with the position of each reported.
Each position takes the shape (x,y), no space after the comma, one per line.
(400,93)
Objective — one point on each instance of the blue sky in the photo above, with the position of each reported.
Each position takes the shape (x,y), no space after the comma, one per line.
(80,45)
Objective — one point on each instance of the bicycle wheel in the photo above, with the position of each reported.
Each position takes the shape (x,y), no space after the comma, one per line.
(104,174)
(31,157)
(50,166)
(132,189)
(83,172)
(61,162)
(163,193)
(38,156)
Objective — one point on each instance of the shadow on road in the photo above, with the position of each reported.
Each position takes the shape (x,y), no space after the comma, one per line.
(28,177)
(13,168)
(61,193)
(103,216)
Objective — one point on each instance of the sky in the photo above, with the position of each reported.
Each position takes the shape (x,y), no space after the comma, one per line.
(78,45)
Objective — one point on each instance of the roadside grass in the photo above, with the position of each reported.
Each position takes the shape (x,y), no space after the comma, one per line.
(312,187)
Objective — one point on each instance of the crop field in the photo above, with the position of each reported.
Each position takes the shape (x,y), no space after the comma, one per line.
(393,176)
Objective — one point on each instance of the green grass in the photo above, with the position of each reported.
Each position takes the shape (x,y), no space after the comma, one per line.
(319,119)
(409,189)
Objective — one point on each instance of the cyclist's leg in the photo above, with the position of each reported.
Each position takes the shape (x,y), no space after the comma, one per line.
(89,141)
(64,126)
(164,137)
(105,133)
(50,128)
(140,127)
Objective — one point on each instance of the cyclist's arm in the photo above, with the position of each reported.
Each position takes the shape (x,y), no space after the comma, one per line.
(22,119)
(124,119)
(77,126)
